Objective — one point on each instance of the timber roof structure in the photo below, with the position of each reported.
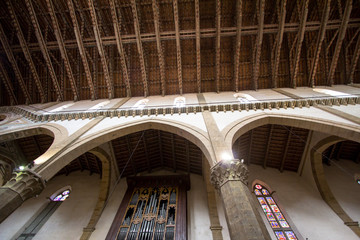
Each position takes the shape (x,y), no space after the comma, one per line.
(67,50)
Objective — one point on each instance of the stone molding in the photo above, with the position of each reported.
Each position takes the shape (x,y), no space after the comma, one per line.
(232,170)
(25,183)
(39,116)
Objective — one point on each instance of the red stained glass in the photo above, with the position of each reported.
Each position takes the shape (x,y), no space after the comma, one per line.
(270,200)
(290,235)
(270,217)
(257,192)
(280,235)
(274,225)
(275,208)
(258,186)
(265,192)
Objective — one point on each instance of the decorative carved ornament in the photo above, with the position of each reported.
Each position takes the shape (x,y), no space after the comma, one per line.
(224,171)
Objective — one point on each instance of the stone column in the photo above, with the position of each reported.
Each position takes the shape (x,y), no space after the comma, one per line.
(22,186)
(244,222)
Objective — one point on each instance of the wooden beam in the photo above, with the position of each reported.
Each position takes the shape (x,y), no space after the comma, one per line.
(160,148)
(173,151)
(278,43)
(178,46)
(87,163)
(198,48)
(320,38)
(80,44)
(250,146)
(146,154)
(354,61)
(8,85)
(120,47)
(259,38)
(237,43)
(187,152)
(301,34)
(100,46)
(139,47)
(341,36)
(14,65)
(268,145)
(25,50)
(286,150)
(155,8)
(44,50)
(217,45)
(130,152)
(62,49)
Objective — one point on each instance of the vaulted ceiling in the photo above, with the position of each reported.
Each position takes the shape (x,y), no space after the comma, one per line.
(90,49)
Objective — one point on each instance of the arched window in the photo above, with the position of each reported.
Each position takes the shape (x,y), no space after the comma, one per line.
(55,201)
(278,223)
(179,102)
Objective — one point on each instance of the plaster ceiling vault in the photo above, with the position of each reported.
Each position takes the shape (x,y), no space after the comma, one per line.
(76,49)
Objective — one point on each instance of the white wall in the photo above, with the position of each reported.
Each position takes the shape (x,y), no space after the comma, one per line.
(302,202)
(68,221)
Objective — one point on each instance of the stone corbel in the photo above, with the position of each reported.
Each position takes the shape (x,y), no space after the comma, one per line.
(232,170)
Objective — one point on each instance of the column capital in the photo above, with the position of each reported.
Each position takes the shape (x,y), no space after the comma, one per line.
(25,183)
(229,170)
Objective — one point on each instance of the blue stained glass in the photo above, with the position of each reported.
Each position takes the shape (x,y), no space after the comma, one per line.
(262,201)
(270,217)
(279,216)
(280,235)
(57,198)
(274,225)
(275,208)
(266,208)
(270,200)
(66,192)
(257,192)
(290,235)
(284,224)
(265,192)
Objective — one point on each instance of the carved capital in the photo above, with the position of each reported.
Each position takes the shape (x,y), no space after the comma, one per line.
(27,184)
(233,170)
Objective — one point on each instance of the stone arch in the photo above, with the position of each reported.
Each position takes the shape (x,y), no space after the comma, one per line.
(238,128)
(322,185)
(193,134)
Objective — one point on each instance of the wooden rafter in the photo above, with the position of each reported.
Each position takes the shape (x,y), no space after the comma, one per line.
(259,38)
(14,65)
(198,49)
(217,44)
(120,47)
(100,47)
(155,8)
(146,154)
(320,38)
(130,152)
(237,43)
(278,43)
(26,51)
(187,152)
(300,39)
(250,147)
(139,47)
(178,47)
(80,44)
(173,151)
(285,150)
(44,49)
(62,49)
(268,145)
(354,61)
(341,36)
(8,85)
(160,148)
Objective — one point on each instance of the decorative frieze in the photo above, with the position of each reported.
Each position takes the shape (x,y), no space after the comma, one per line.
(161,110)
(231,170)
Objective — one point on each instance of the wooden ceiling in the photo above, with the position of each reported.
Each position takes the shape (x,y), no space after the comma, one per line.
(90,49)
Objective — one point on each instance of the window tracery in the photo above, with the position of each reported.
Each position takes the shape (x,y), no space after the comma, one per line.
(277,221)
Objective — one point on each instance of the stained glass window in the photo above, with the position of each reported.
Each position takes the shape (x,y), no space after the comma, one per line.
(62,196)
(278,223)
